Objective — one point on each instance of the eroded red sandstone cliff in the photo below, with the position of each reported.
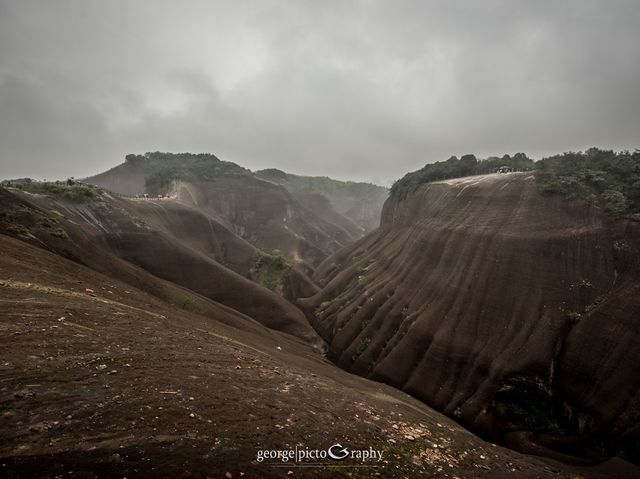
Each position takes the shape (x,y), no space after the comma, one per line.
(514,311)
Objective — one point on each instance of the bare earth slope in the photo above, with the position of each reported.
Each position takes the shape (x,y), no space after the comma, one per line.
(515,312)
(128,240)
(117,383)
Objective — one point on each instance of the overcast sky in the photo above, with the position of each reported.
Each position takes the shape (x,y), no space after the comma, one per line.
(363,90)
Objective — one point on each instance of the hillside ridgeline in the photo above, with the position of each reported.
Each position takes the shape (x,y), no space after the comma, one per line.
(261,212)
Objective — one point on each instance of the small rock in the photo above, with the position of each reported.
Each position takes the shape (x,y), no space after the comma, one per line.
(101,366)
(23,394)
(409,437)
(279,348)
(113,371)
(228,475)
(192,415)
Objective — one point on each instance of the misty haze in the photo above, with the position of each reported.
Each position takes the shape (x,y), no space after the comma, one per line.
(320,239)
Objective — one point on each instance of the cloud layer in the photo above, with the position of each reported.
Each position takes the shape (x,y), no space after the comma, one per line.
(351,89)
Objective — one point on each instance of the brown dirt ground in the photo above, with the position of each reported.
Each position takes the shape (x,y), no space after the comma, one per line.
(117,383)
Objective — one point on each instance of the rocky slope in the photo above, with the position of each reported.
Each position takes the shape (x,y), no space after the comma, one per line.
(513,311)
(154,245)
(261,212)
(134,345)
(101,379)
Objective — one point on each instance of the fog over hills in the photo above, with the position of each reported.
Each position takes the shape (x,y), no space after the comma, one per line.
(335,239)
(350,90)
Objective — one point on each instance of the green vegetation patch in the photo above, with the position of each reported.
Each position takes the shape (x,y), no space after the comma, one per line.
(270,270)
(467,165)
(60,233)
(187,302)
(69,190)
(323,184)
(162,168)
(17,229)
(603,177)
(321,308)
(524,404)
(364,344)
(574,317)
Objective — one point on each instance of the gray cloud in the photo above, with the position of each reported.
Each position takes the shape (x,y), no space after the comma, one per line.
(355,90)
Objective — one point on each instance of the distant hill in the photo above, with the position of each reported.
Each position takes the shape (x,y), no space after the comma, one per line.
(604,178)
(264,213)
(360,202)
(154,171)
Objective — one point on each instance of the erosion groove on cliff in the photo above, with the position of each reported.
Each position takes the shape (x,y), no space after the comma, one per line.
(508,309)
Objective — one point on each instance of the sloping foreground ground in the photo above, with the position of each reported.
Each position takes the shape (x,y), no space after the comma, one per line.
(117,383)
(515,312)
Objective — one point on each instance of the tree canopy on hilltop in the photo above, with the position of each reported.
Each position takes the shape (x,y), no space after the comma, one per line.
(603,177)
(467,165)
(163,168)
(606,178)
(324,184)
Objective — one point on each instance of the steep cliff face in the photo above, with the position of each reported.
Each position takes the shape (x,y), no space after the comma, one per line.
(322,207)
(514,311)
(266,216)
(359,202)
